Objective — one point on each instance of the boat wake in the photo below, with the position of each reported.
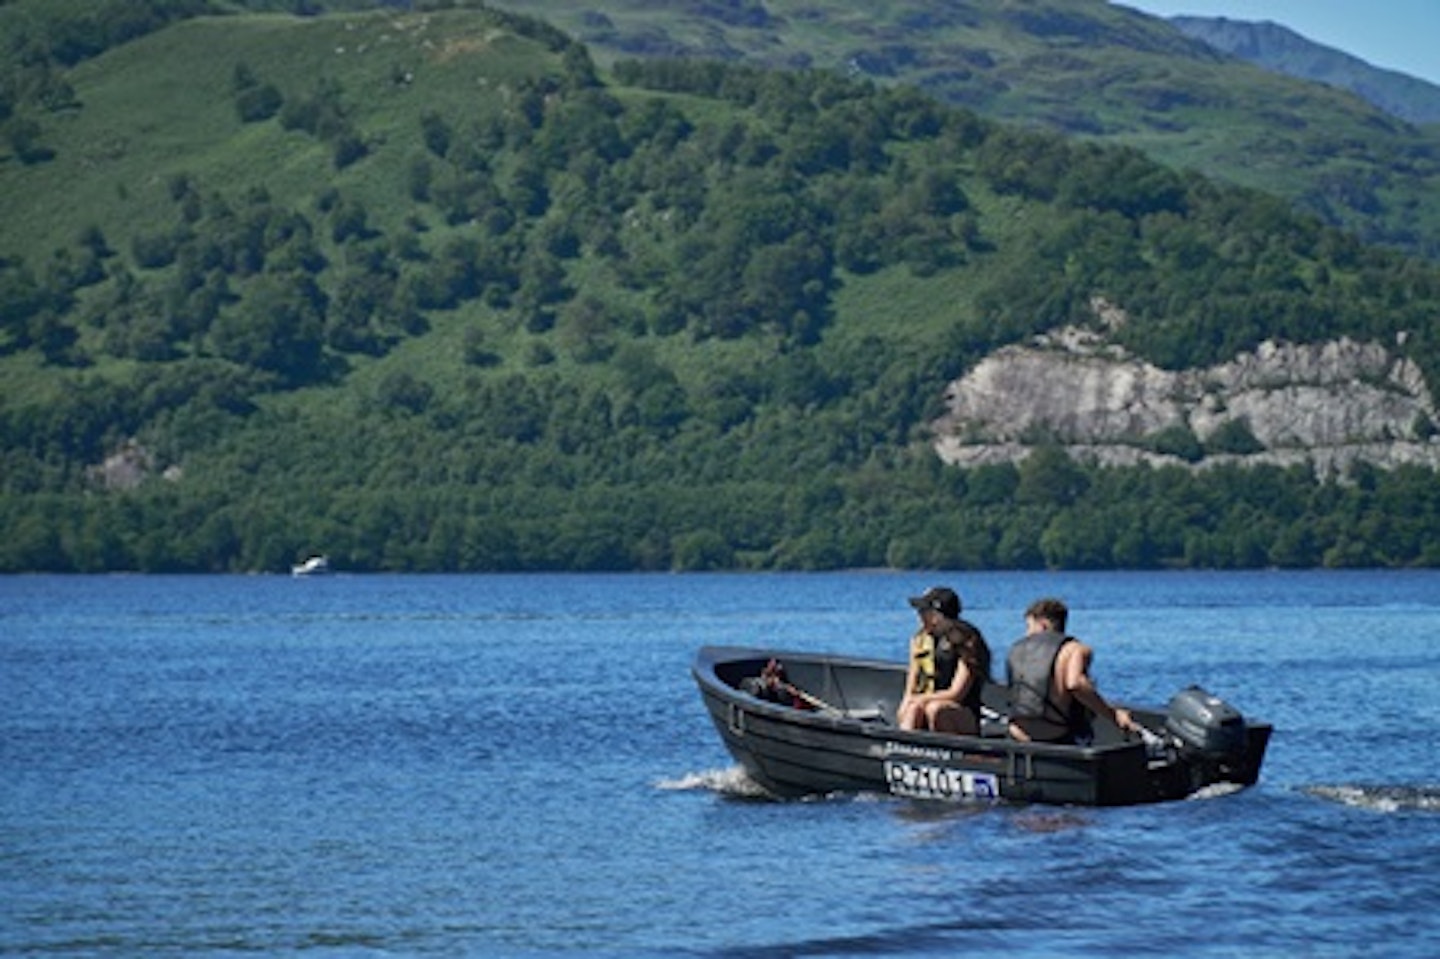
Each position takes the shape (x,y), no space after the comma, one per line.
(727,782)
(1387,799)
(1216,791)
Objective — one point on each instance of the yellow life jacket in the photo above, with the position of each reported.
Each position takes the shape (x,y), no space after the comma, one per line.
(922,656)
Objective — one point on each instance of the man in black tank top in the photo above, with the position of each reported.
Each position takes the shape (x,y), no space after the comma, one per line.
(1052,696)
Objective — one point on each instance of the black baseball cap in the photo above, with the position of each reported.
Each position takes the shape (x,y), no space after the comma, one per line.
(942,599)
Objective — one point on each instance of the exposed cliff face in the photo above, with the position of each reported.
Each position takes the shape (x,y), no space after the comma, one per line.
(1327,404)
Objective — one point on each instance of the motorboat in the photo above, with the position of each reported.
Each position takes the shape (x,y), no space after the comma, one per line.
(831,729)
(314,566)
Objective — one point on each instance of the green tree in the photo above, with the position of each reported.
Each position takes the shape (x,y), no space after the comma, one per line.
(1048,476)
(1234,436)
(279,328)
(701,550)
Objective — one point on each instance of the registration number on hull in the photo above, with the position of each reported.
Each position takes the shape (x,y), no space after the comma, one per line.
(924,781)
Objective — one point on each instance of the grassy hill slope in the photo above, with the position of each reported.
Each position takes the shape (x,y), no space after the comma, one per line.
(444,299)
(1084,67)
(164,107)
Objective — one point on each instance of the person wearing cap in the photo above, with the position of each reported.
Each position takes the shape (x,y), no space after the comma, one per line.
(949,665)
(1052,696)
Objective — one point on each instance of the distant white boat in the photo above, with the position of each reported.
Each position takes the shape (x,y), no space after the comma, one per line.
(314,566)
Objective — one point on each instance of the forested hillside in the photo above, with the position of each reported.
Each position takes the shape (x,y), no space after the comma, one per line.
(1089,69)
(426,290)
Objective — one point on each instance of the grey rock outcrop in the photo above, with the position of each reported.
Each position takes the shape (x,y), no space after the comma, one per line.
(130,465)
(1323,404)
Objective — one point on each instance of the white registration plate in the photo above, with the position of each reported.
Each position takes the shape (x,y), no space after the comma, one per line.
(924,781)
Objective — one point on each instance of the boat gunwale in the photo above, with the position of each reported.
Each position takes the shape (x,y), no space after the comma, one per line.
(709,657)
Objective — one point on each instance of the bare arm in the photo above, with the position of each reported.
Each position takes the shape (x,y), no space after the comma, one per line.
(955,692)
(960,685)
(1073,672)
(910,678)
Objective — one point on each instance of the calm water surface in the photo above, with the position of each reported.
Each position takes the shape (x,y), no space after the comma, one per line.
(520,765)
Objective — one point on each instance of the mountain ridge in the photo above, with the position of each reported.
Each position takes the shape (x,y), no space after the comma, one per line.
(1279,48)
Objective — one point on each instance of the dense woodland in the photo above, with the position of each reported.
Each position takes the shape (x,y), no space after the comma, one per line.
(648,320)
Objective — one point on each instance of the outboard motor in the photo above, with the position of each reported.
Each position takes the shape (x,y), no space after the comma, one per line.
(1207,727)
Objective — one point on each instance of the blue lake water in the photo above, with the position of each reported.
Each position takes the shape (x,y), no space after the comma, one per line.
(520,765)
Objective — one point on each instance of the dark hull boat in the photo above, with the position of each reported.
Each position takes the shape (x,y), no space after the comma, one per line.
(835,732)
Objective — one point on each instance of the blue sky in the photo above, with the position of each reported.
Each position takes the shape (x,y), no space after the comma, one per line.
(1399,35)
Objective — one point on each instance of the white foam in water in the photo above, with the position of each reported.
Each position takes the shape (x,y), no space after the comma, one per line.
(1216,791)
(727,782)
(1387,799)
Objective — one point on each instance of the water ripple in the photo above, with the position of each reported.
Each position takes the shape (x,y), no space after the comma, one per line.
(1385,799)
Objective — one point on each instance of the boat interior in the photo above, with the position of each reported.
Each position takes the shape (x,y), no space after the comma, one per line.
(870,691)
